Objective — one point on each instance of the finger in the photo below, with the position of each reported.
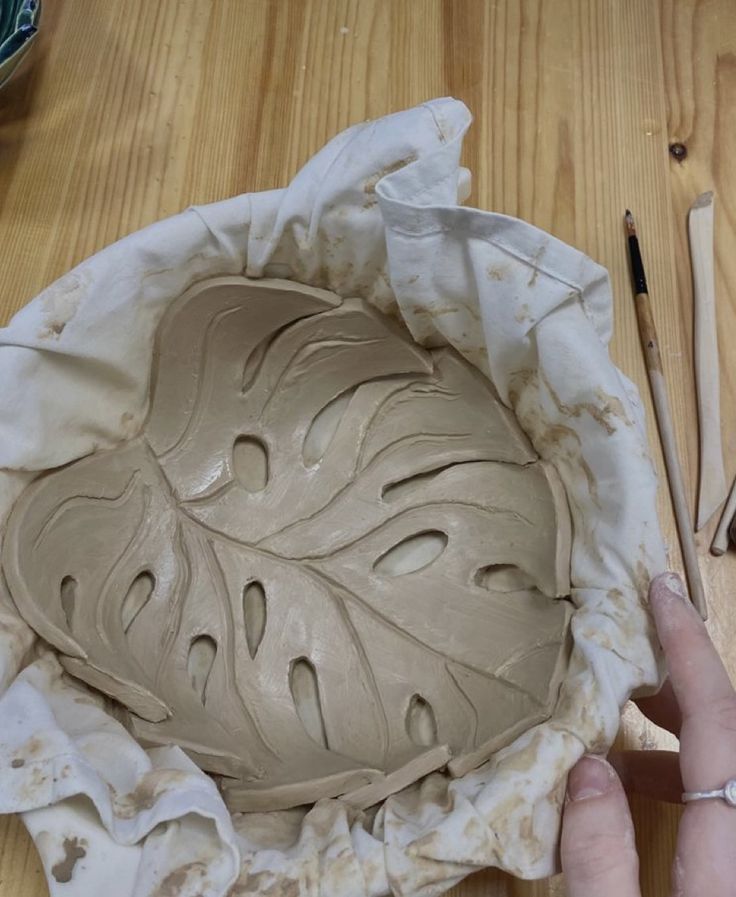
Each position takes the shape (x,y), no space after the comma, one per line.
(598,850)
(705,855)
(701,685)
(662,709)
(696,672)
(654,774)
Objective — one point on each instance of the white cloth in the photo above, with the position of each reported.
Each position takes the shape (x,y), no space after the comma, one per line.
(374,214)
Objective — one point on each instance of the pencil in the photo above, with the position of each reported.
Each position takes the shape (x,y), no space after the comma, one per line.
(653,360)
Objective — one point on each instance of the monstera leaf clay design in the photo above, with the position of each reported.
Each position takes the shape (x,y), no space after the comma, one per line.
(329,564)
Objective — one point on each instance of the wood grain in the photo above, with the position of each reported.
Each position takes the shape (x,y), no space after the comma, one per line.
(131,111)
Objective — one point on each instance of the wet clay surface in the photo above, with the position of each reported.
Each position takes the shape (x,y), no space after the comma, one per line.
(327,563)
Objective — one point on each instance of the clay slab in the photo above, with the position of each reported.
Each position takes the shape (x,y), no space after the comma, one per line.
(328,565)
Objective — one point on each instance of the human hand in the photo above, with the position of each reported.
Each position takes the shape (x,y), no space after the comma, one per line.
(698,705)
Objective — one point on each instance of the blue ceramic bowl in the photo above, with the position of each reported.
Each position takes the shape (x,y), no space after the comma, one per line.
(18,28)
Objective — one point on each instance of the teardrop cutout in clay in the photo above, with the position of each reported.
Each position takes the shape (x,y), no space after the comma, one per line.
(202,652)
(420,722)
(254,615)
(68,597)
(504,578)
(138,596)
(323,428)
(412,554)
(250,463)
(305,691)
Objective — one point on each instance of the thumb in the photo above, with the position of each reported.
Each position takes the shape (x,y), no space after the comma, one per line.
(598,850)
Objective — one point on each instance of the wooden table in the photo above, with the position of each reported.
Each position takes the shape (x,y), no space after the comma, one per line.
(132,110)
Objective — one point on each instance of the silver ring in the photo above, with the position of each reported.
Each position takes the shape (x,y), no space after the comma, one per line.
(727,793)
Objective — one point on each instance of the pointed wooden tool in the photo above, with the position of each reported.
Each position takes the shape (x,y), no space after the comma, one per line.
(722,537)
(713,486)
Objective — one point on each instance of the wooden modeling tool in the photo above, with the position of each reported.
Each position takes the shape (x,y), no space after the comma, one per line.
(712,480)
(653,360)
(719,545)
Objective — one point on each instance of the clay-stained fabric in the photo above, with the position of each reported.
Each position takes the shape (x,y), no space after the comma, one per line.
(375,214)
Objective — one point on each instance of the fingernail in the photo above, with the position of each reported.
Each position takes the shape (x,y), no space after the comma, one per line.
(669,585)
(591,777)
